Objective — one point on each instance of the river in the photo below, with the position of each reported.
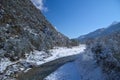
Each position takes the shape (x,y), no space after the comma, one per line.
(68,71)
(42,71)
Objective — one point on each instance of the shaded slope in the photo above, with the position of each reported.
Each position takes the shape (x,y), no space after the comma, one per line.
(23,28)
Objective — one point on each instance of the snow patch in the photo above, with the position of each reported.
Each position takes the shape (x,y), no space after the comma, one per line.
(4,62)
(40,57)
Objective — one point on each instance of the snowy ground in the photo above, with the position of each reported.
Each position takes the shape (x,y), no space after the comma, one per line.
(85,68)
(88,68)
(4,63)
(55,53)
(40,57)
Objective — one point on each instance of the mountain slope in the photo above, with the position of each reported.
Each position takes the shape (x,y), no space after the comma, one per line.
(23,28)
(115,27)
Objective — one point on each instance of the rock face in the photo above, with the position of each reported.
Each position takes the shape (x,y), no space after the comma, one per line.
(23,28)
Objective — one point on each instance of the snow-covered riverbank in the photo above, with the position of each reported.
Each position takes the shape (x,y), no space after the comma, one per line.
(37,58)
(84,68)
(58,52)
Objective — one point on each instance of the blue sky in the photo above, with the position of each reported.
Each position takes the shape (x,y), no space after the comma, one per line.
(77,17)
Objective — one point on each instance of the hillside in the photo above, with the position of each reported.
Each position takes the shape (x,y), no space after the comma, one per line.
(23,28)
(114,27)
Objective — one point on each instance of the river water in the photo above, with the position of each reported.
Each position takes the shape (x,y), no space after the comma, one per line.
(68,71)
(84,68)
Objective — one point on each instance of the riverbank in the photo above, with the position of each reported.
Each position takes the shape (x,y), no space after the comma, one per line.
(40,72)
(9,70)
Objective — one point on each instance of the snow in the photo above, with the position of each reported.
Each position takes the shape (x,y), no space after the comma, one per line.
(36,57)
(4,63)
(88,68)
(27,69)
(31,31)
(85,68)
(39,57)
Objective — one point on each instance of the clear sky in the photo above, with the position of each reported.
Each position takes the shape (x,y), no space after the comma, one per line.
(77,17)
